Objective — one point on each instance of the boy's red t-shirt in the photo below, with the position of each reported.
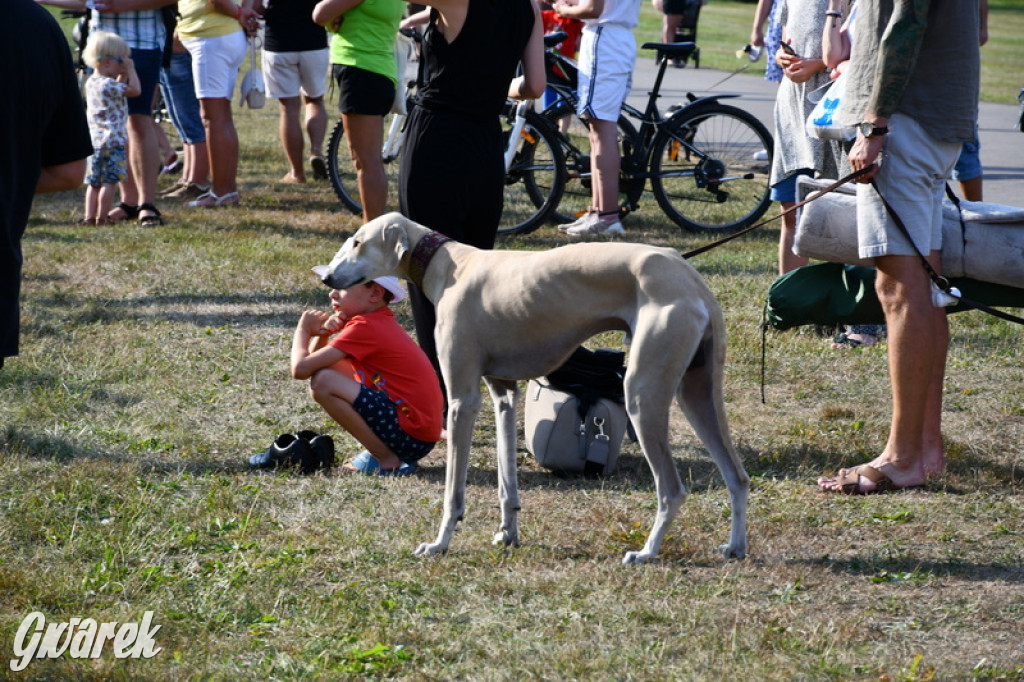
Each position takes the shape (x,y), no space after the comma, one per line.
(385,358)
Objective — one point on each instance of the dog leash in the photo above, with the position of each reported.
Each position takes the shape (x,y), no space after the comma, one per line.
(835,185)
(938,280)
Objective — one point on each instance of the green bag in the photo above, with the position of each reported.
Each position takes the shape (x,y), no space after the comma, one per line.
(833,293)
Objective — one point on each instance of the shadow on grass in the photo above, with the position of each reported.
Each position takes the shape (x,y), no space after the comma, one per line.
(880,569)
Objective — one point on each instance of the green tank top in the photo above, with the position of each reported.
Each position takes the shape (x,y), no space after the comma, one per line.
(366,38)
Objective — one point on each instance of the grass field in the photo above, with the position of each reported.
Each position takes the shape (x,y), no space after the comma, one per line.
(154,362)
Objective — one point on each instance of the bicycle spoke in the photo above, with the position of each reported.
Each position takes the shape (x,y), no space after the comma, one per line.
(707,172)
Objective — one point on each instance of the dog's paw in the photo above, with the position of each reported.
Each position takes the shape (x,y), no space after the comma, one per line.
(503,537)
(730,552)
(430,549)
(635,558)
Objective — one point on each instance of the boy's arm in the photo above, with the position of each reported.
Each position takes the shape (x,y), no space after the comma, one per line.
(307,358)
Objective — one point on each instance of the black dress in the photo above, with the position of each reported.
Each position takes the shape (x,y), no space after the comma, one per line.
(452,168)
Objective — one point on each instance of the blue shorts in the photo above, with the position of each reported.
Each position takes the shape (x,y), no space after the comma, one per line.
(379,413)
(147,65)
(180,98)
(107,165)
(785,190)
(968,166)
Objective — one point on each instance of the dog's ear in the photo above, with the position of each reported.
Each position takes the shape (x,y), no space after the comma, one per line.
(396,235)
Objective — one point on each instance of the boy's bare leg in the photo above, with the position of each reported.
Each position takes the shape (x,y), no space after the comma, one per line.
(336,392)
(105,198)
(92,196)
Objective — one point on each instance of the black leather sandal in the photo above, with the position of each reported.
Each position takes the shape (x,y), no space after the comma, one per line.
(155,219)
(130,212)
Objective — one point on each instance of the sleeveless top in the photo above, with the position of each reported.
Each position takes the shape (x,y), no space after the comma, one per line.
(470,75)
(289,27)
(366,38)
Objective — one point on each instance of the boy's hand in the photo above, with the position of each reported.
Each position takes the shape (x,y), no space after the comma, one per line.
(312,322)
(334,323)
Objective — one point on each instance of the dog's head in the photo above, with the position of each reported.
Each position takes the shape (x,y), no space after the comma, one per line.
(375,250)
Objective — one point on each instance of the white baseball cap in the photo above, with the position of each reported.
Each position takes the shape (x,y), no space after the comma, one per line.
(390,283)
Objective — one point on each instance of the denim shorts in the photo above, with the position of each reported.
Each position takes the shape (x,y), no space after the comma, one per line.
(785,190)
(379,413)
(107,165)
(968,166)
(147,65)
(180,98)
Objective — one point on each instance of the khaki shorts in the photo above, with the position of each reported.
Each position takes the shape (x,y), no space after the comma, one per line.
(912,177)
(287,74)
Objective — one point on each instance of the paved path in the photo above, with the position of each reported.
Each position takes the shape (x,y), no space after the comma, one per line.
(1002,147)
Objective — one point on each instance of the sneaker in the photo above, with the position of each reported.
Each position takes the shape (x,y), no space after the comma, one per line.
(285,451)
(319,167)
(321,449)
(598,225)
(187,191)
(579,221)
(761,155)
(211,200)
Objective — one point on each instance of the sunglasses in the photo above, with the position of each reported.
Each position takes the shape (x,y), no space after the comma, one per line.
(115,59)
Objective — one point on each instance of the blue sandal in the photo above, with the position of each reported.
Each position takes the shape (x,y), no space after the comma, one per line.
(365,463)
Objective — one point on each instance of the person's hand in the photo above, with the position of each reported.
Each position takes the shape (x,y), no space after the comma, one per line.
(312,322)
(249,20)
(801,70)
(334,323)
(865,153)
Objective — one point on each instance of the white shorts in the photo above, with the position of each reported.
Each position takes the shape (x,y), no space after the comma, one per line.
(215,64)
(912,178)
(287,74)
(606,61)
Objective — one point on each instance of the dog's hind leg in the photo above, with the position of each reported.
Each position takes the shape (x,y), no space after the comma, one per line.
(463,407)
(701,399)
(504,394)
(649,386)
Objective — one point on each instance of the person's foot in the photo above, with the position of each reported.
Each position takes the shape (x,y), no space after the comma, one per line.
(565,227)
(187,192)
(319,167)
(292,179)
(874,477)
(173,188)
(853,340)
(211,200)
(598,225)
(365,463)
(123,211)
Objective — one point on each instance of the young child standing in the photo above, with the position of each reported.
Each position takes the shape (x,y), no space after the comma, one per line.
(107,91)
(370,376)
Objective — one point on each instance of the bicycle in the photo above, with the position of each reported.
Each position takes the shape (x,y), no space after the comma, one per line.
(703,160)
(535,170)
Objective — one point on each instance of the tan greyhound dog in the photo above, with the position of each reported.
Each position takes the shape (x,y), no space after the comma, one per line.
(506,316)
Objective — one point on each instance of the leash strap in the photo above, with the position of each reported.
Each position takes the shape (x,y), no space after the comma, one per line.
(940,281)
(423,253)
(835,185)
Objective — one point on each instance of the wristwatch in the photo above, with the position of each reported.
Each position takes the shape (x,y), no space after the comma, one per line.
(869,129)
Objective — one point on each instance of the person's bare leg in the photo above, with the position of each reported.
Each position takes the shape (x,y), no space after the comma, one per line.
(605,162)
(290,131)
(316,124)
(197,167)
(221,144)
(365,135)
(787,259)
(918,339)
(104,198)
(144,158)
(336,392)
(92,197)
(972,189)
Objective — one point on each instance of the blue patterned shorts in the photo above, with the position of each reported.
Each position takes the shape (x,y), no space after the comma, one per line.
(107,165)
(379,413)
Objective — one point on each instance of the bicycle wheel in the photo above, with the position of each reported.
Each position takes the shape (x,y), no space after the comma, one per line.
(536,176)
(707,170)
(575,137)
(341,169)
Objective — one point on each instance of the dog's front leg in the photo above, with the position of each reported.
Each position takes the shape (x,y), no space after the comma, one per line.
(462,413)
(504,394)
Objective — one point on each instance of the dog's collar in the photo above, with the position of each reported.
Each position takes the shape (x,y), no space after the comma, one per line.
(421,255)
